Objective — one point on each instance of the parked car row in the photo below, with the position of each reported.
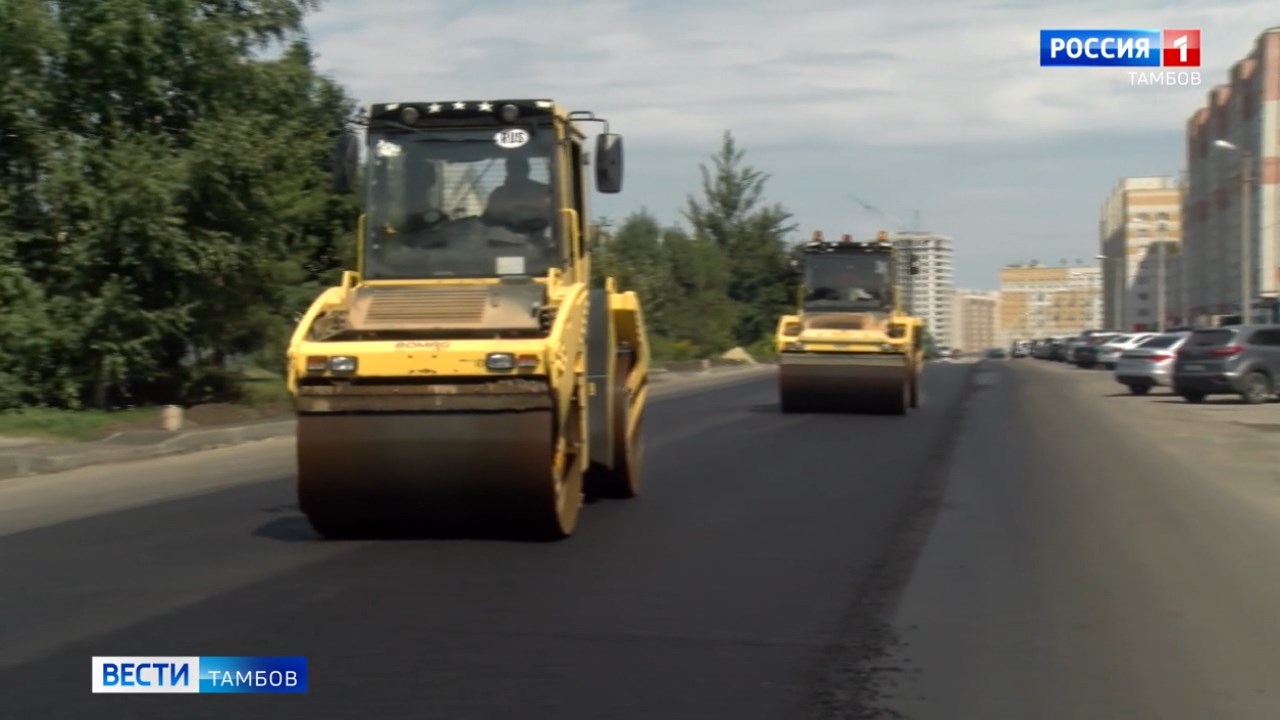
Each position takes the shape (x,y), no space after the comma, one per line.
(1242,360)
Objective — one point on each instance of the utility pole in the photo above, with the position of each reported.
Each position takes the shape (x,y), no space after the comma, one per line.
(602,226)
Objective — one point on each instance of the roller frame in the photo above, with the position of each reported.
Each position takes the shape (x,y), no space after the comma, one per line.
(612,473)
(601,358)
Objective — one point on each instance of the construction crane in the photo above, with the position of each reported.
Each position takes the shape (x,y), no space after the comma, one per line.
(907,287)
(915,214)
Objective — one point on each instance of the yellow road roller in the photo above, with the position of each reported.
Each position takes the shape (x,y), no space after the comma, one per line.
(466,377)
(851,347)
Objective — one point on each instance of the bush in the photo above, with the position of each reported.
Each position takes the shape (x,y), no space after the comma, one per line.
(668,350)
(212,385)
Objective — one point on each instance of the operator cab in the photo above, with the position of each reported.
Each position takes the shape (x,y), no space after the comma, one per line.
(849,276)
(470,190)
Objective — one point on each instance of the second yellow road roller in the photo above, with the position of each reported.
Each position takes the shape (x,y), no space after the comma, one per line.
(851,347)
(466,377)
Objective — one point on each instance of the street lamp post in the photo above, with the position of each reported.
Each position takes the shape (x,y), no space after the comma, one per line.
(1246,251)
(1116,306)
(1184,293)
(1160,286)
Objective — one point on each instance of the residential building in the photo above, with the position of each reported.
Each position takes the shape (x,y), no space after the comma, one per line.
(928,295)
(1038,301)
(1140,237)
(1232,146)
(974,319)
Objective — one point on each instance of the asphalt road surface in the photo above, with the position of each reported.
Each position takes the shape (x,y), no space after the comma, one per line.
(740,585)
(1098,556)
(1070,565)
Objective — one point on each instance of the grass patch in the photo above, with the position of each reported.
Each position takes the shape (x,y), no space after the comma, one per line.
(75,425)
(260,395)
(264,391)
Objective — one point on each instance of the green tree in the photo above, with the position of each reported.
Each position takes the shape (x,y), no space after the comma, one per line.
(162,191)
(700,321)
(732,214)
(636,259)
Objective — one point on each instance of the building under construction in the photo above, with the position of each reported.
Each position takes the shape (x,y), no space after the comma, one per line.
(930,294)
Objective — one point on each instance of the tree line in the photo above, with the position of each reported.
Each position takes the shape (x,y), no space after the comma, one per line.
(719,280)
(165,206)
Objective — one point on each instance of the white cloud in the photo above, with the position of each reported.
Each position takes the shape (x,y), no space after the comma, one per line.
(935,105)
(927,72)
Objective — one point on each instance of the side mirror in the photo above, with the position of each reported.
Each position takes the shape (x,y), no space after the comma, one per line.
(609,163)
(346,161)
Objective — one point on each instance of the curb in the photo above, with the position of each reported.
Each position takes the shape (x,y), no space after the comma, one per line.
(28,460)
(60,458)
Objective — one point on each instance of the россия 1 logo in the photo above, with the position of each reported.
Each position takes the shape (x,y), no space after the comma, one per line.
(1130,49)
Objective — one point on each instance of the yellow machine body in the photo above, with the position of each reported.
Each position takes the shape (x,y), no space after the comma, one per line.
(850,347)
(466,379)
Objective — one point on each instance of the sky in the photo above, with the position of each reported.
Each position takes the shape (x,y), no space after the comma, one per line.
(866,115)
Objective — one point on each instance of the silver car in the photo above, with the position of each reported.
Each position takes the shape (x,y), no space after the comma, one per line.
(1110,352)
(1150,363)
(1072,344)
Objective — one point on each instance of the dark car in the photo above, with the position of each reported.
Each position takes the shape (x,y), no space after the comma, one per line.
(997,354)
(1058,350)
(1086,354)
(1239,360)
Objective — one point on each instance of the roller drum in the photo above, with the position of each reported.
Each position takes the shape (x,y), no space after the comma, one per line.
(832,382)
(433,472)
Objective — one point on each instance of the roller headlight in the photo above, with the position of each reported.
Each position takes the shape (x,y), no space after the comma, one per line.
(500,361)
(342,364)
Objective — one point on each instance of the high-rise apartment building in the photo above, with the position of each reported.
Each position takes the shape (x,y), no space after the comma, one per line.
(974,319)
(928,295)
(1233,187)
(1039,302)
(1140,238)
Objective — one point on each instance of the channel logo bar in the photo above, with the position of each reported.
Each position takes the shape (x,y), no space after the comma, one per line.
(1120,48)
(205,674)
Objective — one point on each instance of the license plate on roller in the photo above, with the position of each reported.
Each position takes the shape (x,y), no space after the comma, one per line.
(1193,368)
